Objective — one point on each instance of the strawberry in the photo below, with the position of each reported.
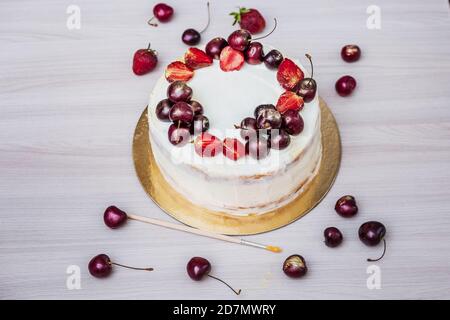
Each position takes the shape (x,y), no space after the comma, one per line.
(207,145)
(144,61)
(195,59)
(231,59)
(233,149)
(249,19)
(178,71)
(289,101)
(289,74)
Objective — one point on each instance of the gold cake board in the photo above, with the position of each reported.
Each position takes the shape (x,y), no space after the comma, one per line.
(186,212)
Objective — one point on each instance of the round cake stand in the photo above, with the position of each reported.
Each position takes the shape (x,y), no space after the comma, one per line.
(186,212)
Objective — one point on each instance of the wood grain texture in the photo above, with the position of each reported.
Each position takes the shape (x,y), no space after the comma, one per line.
(69,104)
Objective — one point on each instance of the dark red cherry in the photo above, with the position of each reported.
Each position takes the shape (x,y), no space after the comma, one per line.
(273,59)
(279,139)
(196,107)
(295,266)
(269,119)
(179,91)
(263,107)
(239,39)
(163,109)
(179,134)
(100,266)
(192,37)
(215,46)
(292,122)
(307,87)
(162,12)
(254,53)
(257,147)
(181,112)
(345,85)
(333,237)
(199,124)
(114,217)
(346,206)
(371,233)
(248,128)
(350,53)
(199,267)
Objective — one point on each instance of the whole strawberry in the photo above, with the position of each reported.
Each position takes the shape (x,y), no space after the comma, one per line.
(249,19)
(144,61)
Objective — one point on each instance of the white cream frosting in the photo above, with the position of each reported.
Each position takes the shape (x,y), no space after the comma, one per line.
(246,186)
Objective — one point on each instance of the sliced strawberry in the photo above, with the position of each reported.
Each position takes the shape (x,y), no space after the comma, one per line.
(289,74)
(207,145)
(233,149)
(231,59)
(195,59)
(289,101)
(178,71)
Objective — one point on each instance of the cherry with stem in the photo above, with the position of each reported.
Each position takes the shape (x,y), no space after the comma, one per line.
(191,36)
(382,255)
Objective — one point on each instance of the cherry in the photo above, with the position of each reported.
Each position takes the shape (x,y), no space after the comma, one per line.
(371,233)
(178,134)
(196,107)
(273,59)
(100,266)
(269,119)
(215,46)
(114,217)
(163,109)
(292,122)
(199,124)
(307,87)
(295,266)
(233,149)
(345,85)
(350,53)
(179,91)
(248,128)
(333,237)
(192,37)
(263,107)
(240,39)
(279,139)
(254,53)
(257,147)
(346,206)
(199,267)
(162,12)
(181,112)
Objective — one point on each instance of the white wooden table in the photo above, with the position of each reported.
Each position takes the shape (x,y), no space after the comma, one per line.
(69,104)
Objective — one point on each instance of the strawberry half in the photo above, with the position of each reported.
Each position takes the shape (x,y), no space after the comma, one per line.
(207,145)
(289,74)
(233,149)
(289,101)
(178,71)
(231,59)
(195,59)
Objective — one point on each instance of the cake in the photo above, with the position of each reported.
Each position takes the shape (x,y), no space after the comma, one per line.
(229,90)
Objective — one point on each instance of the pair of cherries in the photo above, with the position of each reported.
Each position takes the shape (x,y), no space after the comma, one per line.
(346,84)
(371,233)
(101,265)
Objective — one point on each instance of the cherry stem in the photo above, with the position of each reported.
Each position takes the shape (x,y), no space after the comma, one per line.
(209,19)
(274,27)
(236,292)
(150,23)
(149,46)
(312,68)
(133,268)
(384,251)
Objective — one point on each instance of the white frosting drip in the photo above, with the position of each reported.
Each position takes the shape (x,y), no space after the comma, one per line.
(222,184)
